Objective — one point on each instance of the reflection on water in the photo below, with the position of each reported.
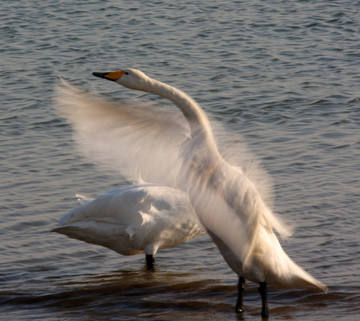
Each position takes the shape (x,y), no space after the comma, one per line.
(160,295)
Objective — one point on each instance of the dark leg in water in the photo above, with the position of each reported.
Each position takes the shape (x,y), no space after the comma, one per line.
(264,306)
(149,261)
(241,288)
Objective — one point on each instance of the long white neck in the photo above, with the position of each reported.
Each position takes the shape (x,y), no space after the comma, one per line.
(198,121)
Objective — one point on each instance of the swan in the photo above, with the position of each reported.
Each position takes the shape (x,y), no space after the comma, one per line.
(133,219)
(165,150)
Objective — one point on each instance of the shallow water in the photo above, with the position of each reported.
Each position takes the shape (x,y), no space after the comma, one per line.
(282,77)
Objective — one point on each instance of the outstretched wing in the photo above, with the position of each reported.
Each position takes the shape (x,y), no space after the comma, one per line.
(149,142)
(137,141)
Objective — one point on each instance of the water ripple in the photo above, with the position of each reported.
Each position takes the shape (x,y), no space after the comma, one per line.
(280,76)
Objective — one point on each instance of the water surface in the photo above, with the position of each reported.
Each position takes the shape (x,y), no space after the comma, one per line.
(282,77)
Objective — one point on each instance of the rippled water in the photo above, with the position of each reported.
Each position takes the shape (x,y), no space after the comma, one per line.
(282,76)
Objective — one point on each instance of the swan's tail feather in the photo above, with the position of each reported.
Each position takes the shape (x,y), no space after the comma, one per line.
(299,275)
(318,284)
(303,279)
(282,271)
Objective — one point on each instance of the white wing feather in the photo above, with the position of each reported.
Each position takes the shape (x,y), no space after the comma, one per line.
(131,140)
(144,143)
(140,141)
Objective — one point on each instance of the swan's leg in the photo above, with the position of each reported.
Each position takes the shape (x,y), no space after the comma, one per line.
(264,306)
(149,261)
(241,288)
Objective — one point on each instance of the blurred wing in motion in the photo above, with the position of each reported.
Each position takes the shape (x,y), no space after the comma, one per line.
(132,140)
(143,142)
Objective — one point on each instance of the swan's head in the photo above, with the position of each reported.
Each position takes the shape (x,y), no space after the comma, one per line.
(130,78)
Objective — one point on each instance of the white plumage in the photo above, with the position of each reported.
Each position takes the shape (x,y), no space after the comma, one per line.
(183,152)
(133,219)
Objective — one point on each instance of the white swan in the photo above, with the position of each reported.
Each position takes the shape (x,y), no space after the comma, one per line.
(226,201)
(133,219)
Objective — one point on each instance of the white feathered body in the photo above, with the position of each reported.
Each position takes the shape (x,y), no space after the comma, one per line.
(133,219)
(240,223)
(171,151)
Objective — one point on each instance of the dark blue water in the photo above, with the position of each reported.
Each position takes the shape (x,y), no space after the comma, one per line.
(281,76)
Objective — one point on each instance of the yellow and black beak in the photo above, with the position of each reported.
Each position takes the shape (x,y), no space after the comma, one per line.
(113,75)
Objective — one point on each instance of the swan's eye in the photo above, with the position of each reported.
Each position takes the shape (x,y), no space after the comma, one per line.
(126,73)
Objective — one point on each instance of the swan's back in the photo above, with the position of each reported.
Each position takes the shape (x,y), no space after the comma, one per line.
(133,219)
